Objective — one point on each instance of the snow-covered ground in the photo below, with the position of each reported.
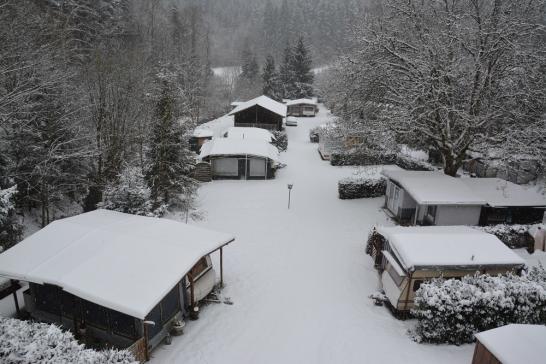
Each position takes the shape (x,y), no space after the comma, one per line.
(299,278)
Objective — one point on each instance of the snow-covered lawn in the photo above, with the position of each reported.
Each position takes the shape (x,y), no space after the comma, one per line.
(299,278)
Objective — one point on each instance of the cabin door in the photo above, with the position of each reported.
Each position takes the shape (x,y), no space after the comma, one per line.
(394,194)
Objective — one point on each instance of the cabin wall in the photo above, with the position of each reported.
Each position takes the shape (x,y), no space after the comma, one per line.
(241,167)
(483,356)
(458,215)
(301,110)
(259,117)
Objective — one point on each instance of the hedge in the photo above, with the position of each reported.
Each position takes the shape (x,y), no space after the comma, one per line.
(374,158)
(514,236)
(452,311)
(351,188)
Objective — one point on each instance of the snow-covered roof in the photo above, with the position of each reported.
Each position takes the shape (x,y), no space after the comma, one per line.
(434,188)
(203,132)
(301,101)
(500,193)
(125,262)
(236,103)
(237,132)
(249,147)
(516,343)
(441,246)
(217,127)
(263,101)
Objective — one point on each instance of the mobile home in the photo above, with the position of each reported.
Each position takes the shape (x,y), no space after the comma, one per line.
(301,107)
(261,112)
(430,198)
(115,279)
(408,256)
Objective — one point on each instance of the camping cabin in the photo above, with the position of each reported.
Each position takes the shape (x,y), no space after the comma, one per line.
(261,112)
(250,133)
(507,202)
(233,158)
(430,198)
(301,107)
(511,344)
(116,279)
(408,256)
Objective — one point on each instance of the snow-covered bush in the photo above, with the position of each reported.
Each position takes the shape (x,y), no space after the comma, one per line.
(27,342)
(360,158)
(452,311)
(281,140)
(10,229)
(351,188)
(130,194)
(410,164)
(514,236)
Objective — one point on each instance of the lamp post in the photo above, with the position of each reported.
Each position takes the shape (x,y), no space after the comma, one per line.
(290,185)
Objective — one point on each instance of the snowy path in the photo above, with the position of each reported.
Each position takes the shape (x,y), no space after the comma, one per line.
(299,278)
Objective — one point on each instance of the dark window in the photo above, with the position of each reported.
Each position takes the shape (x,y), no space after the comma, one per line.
(170,305)
(69,304)
(431,213)
(155,316)
(122,324)
(417,284)
(48,298)
(95,315)
(199,268)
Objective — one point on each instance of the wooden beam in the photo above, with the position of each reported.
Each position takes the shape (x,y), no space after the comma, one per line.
(145,332)
(192,293)
(16,304)
(222,267)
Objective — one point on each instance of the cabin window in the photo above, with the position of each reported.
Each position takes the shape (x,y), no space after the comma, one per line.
(48,298)
(122,324)
(199,268)
(431,213)
(95,315)
(398,279)
(69,304)
(417,284)
(308,108)
(170,304)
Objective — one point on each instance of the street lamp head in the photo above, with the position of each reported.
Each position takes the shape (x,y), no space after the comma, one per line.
(290,185)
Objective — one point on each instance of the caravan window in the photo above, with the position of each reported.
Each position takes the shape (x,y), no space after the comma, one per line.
(199,268)
(417,284)
(391,266)
(398,279)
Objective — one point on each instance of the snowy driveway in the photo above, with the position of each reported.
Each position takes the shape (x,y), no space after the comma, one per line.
(299,278)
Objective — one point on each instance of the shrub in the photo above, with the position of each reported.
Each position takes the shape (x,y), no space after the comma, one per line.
(360,159)
(514,236)
(351,188)
(27,342)
(281,140)
(452,311)
(410,164)
(10,229)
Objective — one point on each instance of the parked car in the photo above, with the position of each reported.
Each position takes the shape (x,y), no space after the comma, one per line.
(291,121)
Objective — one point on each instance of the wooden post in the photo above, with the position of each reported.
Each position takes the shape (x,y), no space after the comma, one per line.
(221,267)
(16,304)
(192,293)
(408,292)
(145,332)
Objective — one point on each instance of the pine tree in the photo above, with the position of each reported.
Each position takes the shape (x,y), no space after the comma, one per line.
(10,229)
(303,74)
(170,160)
(286,73)
(271,79)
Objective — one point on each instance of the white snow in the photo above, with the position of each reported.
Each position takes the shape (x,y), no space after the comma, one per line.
(299,279)
(500,193)
(217,127)
(234,146)
(440,246)
(516,343)
(434,188)
(250,133)
(263,101)
(226,70)
(203,132)
(301,101)
(124,262)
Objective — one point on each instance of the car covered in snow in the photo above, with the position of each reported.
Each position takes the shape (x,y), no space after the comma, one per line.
(291,121)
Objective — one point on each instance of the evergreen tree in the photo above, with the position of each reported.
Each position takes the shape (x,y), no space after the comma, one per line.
(303,74)
(271,79)
(286,73)
(170,161)
(10,229)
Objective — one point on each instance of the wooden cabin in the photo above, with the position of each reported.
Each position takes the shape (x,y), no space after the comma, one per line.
(116,279)
(511,344)
(233,158)
(301,107)
(430,198)
(507,202)
(261,112)
(408,256)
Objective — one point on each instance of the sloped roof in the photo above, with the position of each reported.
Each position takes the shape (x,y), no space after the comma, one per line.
(301,101)
(434,188)
(263,101)
(441,246)
(516,343)
(500,193)
(232,146)
(238,132)
(124,262)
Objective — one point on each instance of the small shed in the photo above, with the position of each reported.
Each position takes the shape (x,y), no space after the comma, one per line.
(233,158)
(408,256)
(115,278)
(511,344)
(260,112)
(430,198)
(302,107)
(507,202)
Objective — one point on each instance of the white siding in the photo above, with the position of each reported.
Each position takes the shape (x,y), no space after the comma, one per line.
(257,167)
(458,215)
(225,167)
